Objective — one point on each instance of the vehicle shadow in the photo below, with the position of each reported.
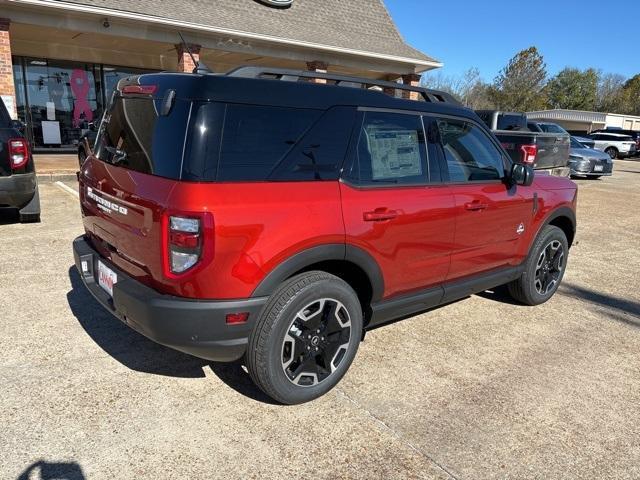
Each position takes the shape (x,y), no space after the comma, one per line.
(138,353)
(53,471)
(499,294)
(604,300)
(9,216)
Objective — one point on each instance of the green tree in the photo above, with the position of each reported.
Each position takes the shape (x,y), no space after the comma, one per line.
(631,92)
(519,85)
(573,89)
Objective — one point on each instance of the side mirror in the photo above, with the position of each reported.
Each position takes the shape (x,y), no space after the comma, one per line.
(521,174)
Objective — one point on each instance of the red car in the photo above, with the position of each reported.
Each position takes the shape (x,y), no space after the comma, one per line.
(259,216)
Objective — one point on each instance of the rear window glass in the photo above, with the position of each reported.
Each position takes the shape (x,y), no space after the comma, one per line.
(511,122)
(134,136)
(231,142)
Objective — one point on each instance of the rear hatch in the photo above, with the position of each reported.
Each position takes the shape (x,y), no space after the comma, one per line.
(174,148)
(126,184)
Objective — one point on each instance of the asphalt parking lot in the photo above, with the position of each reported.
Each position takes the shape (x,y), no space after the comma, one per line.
(480,389)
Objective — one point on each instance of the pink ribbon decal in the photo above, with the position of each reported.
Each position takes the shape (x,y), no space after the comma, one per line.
(80,88)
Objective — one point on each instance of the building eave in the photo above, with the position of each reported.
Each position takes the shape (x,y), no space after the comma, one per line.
(421,65)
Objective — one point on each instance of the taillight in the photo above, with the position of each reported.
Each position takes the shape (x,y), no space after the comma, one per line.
(529,153)
(18,152)
(187,240)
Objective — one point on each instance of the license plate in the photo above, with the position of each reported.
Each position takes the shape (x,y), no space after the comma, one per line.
(598,168)
(107,278)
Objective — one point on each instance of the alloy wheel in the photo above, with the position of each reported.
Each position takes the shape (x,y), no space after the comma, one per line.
(549,267)
(316,342)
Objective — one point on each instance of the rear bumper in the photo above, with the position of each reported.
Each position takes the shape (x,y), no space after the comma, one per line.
(192,326)
(17,190)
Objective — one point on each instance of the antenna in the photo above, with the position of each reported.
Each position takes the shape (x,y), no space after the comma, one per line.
(200,66)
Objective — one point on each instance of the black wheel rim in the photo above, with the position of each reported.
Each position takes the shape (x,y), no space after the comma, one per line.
(612,154)
(316,342)
(549,267)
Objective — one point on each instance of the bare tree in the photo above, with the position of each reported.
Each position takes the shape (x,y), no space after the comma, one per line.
(469,88)
(611,95)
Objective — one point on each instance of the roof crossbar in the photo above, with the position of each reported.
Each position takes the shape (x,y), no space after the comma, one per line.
(429,95)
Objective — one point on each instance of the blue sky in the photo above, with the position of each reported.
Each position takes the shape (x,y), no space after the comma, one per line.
(487,33)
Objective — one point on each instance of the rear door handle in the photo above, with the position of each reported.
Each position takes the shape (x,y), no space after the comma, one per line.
(379,215)
(475,206)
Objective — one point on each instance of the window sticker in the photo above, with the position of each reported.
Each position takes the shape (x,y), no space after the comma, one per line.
(394,153)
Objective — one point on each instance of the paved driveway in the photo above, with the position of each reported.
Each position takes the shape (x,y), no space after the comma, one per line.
(481,388)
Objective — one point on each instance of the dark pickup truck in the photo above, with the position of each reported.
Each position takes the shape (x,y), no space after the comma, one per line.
(18,185)
(543,151)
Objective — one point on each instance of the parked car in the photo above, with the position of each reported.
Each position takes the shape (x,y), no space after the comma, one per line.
(543,151)
(18,184)
(616,145)
(585,141)
(588,162)
(546,127)
(250,215)
(86,142)
(632,133)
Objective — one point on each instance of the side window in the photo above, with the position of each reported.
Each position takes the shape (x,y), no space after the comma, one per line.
(256,138)
(391,150)
(320,154)
(469,153)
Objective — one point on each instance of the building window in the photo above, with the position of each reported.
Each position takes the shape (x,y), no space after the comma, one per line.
(62,98)
(57,99)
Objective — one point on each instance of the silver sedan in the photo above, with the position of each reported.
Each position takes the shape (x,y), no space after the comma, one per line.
(588,162)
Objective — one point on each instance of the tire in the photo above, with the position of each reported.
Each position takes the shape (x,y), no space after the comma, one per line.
(612,152)
(544,268)
(594,177)
(281,357)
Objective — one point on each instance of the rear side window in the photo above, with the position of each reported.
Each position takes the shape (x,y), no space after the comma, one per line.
(236,143)
(470,154)
(391,150)
(256,138)
(132,135)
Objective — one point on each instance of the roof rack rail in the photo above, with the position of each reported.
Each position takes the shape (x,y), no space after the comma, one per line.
(429,95)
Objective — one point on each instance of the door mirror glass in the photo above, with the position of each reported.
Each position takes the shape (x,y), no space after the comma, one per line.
(521,174)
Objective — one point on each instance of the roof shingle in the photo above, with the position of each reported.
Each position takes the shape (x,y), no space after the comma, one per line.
(363,25)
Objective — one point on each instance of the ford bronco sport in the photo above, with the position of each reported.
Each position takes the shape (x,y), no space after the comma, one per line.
(260,216)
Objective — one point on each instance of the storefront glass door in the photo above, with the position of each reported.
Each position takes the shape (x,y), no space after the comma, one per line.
(62,97)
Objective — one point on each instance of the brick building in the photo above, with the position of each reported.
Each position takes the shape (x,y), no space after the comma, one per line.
(59,59)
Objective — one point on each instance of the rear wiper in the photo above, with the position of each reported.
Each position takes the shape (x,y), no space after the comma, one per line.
(118,156)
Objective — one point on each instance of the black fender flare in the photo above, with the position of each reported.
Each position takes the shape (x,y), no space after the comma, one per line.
(559,212)
(322,253)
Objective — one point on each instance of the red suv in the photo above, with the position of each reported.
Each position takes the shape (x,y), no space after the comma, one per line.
(258,215)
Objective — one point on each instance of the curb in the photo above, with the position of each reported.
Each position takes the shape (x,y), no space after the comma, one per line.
(55,177)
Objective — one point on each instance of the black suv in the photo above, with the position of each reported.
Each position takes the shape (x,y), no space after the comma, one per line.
(18,185)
